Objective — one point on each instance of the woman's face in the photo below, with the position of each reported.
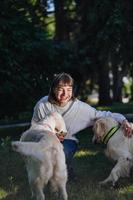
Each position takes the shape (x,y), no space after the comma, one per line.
(63,93)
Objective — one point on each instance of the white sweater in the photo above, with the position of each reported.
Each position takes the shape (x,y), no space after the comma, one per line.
(77,115)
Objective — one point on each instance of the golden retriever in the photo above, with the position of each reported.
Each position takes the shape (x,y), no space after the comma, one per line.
(44,156)
(118,147)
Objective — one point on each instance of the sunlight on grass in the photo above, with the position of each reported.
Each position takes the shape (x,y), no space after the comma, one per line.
(118,107)
(3,193)
(127,190)
(82,153)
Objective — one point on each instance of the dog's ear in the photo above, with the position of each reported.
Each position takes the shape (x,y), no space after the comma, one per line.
(102,124)
(100,127)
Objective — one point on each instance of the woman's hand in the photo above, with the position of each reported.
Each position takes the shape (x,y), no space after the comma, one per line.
(128,128)
(61,138)
(61,135)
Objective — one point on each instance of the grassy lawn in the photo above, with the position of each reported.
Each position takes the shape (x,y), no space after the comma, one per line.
(123,108)
(90,164)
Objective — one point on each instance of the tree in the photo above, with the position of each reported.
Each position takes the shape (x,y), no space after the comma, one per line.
(21,35)
(104,39)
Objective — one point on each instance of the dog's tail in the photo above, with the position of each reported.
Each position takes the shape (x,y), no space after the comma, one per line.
(32,149)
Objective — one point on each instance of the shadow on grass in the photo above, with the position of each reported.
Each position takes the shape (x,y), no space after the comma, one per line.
(13,174)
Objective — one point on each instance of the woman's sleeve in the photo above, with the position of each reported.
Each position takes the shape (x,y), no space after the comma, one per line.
(91,114)
(117,116)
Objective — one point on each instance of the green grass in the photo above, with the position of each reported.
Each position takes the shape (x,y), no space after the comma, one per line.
(90,164)
(123,108)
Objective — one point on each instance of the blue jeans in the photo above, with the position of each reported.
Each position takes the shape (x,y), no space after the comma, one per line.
(70,147)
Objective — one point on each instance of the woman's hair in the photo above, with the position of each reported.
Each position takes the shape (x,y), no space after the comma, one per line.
(63,78)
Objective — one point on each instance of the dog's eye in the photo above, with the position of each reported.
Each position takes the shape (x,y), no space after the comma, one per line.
(56,129)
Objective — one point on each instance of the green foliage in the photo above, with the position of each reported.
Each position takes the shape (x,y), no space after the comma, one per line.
(30,56)
(21,41)
(104,39)
(5,142)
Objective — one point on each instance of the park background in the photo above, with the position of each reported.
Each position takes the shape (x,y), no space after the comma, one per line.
(90,39)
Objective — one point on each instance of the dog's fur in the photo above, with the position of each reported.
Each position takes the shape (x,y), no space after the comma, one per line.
(44,156)
(119,148)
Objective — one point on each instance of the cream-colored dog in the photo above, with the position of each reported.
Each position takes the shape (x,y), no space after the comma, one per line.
(44,156)
(119,148)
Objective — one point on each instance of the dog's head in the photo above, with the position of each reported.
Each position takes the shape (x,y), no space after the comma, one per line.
(101,127)
(53,122)
(60,127)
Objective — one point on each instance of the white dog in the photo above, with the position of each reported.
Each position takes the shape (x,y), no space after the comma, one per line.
(44,156)
(119,148)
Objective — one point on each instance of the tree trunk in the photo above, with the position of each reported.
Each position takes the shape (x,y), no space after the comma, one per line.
(61,21)
(104,85)
(117,85)
(118,70)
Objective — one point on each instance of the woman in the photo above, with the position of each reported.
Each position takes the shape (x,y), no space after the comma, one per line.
(77,114)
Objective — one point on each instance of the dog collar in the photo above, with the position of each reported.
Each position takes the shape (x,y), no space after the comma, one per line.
(109,134)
